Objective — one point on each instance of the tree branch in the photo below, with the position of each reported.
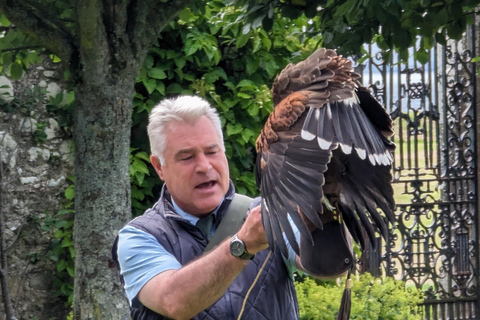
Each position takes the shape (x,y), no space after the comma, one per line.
(37,48)
(148,18)
(37,23)
(92,37)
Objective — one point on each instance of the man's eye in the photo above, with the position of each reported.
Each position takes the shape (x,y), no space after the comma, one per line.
(186,158)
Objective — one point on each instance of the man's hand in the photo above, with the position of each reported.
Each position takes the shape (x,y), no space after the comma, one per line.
(252,232)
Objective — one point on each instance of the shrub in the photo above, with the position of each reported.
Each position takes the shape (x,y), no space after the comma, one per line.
(372,298)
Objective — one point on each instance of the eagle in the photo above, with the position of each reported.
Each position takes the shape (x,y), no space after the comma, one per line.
(324,161)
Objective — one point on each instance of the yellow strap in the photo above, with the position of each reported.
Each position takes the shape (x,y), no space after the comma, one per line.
(253,284)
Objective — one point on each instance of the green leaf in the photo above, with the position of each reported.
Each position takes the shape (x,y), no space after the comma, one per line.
(233,129)
(265,40)
(157,51)
(191,48)
(220,73)
(247,134)
(140,177)
(70,97)
(140,166)
(246,84)
(160,87)
(244,95)
(421,56)
(71,273)
(61,265)
(58,234)
(70,192)
(67,242)
(16,70)
(150,85)
(180,62)
(174,88)
(62,224)
(148,62)
(271,67)
(257,43)
(455,30)
(184,15)
(252,64)
(427,42)
(64,211)
(137,193)
(441,17)
(253,109)
(242,40)
(157,73)
(343,9)
(55,59)
(327,37)
(143,155)
(4,21)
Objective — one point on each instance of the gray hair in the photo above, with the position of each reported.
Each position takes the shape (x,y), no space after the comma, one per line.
(183,108)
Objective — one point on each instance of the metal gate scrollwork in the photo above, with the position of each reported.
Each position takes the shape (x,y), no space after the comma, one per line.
(434,244)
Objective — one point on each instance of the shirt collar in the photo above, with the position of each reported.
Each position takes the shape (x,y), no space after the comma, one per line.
(191,218)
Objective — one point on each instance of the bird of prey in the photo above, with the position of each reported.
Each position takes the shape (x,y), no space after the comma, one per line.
(323,162)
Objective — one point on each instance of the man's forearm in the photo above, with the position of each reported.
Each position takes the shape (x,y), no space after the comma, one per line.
(183,293)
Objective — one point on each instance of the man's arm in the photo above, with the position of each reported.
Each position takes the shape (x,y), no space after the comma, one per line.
(183,293)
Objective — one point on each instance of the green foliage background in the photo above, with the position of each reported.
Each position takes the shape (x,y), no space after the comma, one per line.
(208,54)
(372,299)
(391,24)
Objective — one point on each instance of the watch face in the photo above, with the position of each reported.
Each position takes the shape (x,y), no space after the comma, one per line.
(237,248)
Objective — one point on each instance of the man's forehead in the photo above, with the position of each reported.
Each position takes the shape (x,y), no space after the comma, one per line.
(181,137)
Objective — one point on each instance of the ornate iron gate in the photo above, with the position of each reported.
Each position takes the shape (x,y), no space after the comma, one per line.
(434,245)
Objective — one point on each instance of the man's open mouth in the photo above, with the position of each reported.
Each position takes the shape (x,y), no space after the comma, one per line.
(206,185)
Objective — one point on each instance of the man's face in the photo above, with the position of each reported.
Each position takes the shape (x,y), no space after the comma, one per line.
(196,168)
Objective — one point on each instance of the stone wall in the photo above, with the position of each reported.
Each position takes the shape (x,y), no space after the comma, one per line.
(33,182)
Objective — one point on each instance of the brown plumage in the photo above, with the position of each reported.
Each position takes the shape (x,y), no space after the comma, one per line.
(324,159)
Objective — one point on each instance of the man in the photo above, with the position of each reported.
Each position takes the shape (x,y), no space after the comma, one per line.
(160,254)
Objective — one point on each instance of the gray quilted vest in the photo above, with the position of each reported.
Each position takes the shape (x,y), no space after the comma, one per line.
(273,297)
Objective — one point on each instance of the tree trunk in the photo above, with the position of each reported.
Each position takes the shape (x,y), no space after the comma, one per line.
(5,290)
(102,193)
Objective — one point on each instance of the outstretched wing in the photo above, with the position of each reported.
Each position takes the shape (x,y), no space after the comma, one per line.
(321,156)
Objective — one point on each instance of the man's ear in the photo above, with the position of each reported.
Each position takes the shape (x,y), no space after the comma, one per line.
(157,166)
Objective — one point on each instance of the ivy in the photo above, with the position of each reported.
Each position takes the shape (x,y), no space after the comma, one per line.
(15,55)
(142,180)
(39,135)
(61,251)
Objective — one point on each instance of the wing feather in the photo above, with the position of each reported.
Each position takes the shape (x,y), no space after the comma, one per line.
(276,232)
(325,132)
(279,200)
(305,156)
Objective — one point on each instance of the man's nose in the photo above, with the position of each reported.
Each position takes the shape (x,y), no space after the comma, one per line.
(203,164)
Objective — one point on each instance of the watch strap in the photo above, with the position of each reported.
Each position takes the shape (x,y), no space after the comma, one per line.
(245,255)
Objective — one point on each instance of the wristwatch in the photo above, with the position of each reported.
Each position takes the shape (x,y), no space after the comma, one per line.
(238,249)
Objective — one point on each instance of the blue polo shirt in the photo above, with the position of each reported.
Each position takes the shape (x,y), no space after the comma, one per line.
(141,257)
